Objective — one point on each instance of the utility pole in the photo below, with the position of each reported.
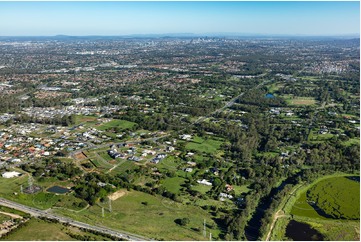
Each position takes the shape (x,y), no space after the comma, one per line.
(102,212)
(204,228)
(110,205)
(21,189)
(210,236)
(30,182)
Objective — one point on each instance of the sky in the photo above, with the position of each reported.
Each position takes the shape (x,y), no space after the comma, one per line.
(125,18)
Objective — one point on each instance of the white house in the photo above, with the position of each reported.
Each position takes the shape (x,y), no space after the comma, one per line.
(11,174)
(204,182)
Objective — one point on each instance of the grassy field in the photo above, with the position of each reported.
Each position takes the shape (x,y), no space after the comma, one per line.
(11,210)
(204,145)
(337,197)
(4,218)
(274,87)
(201,188)
(105,156)
(335,230)
(168,164)
(123,124)
(11,185)
(354,141)
(241,189)
(303,208)
(173,184)
(124,166)
(299,101)
(36,229)
(85,119)
(10,189)
(154,219)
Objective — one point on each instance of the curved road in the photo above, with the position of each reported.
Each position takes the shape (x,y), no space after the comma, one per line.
(40,213)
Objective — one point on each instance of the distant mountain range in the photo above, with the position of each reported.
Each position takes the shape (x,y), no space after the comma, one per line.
(176,35)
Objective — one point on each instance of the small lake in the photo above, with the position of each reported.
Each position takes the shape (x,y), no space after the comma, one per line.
(269,95)
(57,189)
(302,232)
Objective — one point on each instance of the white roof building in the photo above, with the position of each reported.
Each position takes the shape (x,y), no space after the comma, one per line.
(11,174)
(204,182)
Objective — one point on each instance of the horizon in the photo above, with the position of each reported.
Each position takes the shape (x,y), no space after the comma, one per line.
(171,18)
(190,35)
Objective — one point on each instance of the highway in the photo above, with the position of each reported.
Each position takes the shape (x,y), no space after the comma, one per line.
(40,213)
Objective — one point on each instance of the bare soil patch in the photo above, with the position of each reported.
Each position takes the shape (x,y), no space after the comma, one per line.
(117,195)
(80,156)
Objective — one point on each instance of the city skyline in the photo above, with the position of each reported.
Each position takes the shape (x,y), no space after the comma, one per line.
(129,18)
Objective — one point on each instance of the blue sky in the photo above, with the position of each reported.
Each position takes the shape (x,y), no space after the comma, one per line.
(122,18)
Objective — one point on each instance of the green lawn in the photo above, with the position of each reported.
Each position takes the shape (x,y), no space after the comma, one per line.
(353,141)
(201,188)
(204,145)
(241,189)
(105,156)
(126,165)
(168,164)
(153,219)
(173,184)
(123,124)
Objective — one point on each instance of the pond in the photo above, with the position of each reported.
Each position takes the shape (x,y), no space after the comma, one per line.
(269,95)
(57,189)
(302,232)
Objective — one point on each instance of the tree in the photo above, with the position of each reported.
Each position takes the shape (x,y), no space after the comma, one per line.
(182,222)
